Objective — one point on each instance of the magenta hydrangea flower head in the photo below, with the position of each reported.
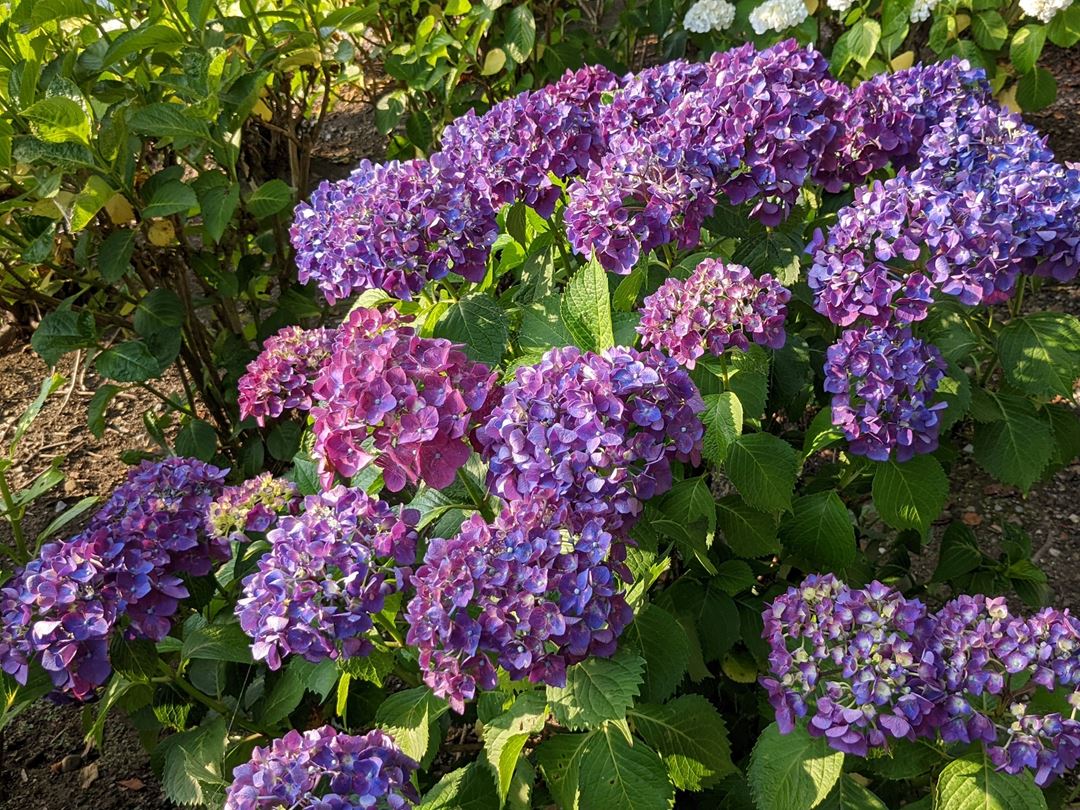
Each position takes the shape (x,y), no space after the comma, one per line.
(281,377)
(523,593)
(883,381)
(127,563)
(328,570)
(324,769)
(253,506)
(593,433)
(720,306)
(847,658)
(394,227)
(405,402)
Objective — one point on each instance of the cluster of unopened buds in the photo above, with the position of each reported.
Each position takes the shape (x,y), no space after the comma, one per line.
(869,666)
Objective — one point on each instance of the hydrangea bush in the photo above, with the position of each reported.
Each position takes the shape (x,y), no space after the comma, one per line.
(637,372)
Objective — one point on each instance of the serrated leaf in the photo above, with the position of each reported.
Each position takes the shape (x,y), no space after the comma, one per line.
(114,258)
(221,642)
(973,783)
(821,433)
(559,758)
(1036,89)
(586,308)
(95,193)
(820,530)
(171,121)
(691,737)
(542,327)
(520,33)
(135,659)
(191,758)
(479,324)
(959,555)
(793,770)
(58,119)
(1040,353)
(857,44)
(269,198)
(408,715)
(1026,47)
(286,694)
(733,577)
(172,197)
(660,640)
(505,736)
(159,310)
(218,203)
(468,788)
(614,774)
(689,512)
(723,420)
(1064,30)
(62,331)
(850,795)
(910,495)
(131,361)
(764,469)
(597,690)
(747,531)
(989,29)
(1017,445)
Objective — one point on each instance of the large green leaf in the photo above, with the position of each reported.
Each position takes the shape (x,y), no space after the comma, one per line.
(131,361)
(286,694)
(764,468)
(408,716)
(62,331)
(1040,353)
(218,642)
(468,788)
(792,771)
(479,323)
(1064,29)
(615,774)
(520,33)
(269,198)
(159,310)
(820,530)
(1036,89)
(586,308)
(505,736)
(689,517)
(910,495)
(659,638)
(747,531)
(597,690)
(723,420)
(1026,47)
(59,119)
(989,29)
(1013,442)
(960,553)
(857,44)
(542,327)
(172,121)
(850,795)
(691,737)
(973,783)
(559,758)
(114,257)
(172,197)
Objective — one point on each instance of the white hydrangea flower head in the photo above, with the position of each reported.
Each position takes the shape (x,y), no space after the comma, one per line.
(841,6)
(1044,10)
(777,15)
(709,15)
(920,11)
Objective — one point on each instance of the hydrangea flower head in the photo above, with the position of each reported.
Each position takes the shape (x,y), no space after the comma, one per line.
(523,593)
(253,506)
(595,433)
(281,377)
(328,570)
(324,769)
(883,380)
(706,16)
(402,401)
(719,306)
(777,15)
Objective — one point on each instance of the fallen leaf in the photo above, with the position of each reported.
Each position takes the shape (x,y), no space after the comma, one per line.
(971,518)
(134,783)
(88,775)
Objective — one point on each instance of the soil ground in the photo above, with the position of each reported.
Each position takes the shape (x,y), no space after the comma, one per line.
(43,761)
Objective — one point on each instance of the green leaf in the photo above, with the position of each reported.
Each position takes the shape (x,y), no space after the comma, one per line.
(468,788)
(989,29)
(269,198)
(850,795)
(1026,47)
(747,532)
(856,44)
(1016,446)
(480,324)
(99,404)
(135,659)
(1036,89)
(586,309)
(960,553)
(142,40)
(748,377)
(59,119)
(820,530)
(95,193)
(520,33)
(286,695)
(764,468)
(795,770)
(1040,353)
(614,774)
(821,433)
(689,512)
(691,737)
(172,121)
(542,327)
(626,293)
(910,495)
(160,310)
(372,668)
(505,736)
(723,420)
(197,439)
(559,758)
(661,641)
(777,251)
(1064,29)
(218,642)
(73,512)
(62,331)
(408,717)
(972,783)
(192,759)
(131,361)
(597,689)
(218,204)
(172,197)
(114,258)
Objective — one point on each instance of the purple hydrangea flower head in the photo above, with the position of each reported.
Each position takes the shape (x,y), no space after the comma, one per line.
(394,227)
(883,380)
(643,96)
(328,570)
(323,769)
(253,506)
(595,433)
(405,402)
(719,306)
(524,593)
(281,377)
(128,562)
(847,658)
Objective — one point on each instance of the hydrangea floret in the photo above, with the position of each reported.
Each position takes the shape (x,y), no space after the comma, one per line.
(282,376)
(252,506)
